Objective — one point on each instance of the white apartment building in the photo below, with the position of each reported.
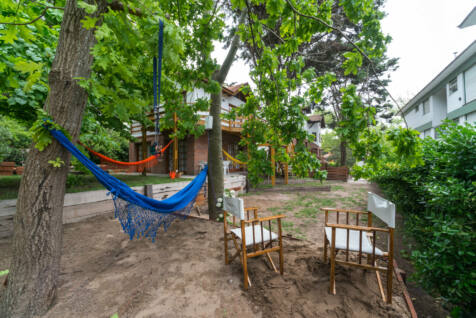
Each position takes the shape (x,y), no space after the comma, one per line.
(450,95)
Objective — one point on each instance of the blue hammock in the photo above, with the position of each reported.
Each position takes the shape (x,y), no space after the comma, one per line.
(140,216)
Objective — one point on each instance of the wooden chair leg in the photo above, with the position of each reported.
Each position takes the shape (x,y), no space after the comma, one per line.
(226,248)
(281,260)
(325,248)
(332,289)
(380,287)
(281,257)
(271,261)
(245,261)
(389,281)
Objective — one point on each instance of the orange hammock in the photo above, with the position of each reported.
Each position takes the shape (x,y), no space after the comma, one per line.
(147,162)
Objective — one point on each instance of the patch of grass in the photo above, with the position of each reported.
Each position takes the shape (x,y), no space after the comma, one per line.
(292,204)
(308,212)
(9,185)
(325,202)
(337,187)
(287,225)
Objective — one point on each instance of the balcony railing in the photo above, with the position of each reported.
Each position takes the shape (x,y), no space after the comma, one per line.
(229,125)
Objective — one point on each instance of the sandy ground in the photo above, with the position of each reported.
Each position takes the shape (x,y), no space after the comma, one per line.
(183,274)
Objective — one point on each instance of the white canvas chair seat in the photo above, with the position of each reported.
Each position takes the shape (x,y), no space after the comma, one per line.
(249,234)
(341,241)
(255,235)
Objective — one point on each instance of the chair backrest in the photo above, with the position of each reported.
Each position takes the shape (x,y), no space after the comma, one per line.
(234,206)
(382,208)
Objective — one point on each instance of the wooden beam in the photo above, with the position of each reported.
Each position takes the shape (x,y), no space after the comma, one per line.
(176,166)
(273,167)
(286,168)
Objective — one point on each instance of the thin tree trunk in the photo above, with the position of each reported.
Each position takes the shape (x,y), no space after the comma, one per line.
(215,163)
(37,239)
(144,147)
(343,153)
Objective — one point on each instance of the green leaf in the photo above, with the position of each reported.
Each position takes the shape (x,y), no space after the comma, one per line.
(57,163)
(27,66)
(89,22)
(353,62)
(31,80)
(10,35)
(89,8)
(4,272)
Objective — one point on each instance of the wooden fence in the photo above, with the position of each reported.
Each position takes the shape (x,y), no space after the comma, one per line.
(337,173)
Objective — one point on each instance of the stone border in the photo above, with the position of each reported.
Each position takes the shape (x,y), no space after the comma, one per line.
(82,205)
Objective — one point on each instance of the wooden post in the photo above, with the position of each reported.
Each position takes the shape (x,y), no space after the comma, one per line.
(273,167)
(286,169)
(390,267)
(281,258)
(333,262)
(176,166)
(243,254)
(225,237)
(144,147)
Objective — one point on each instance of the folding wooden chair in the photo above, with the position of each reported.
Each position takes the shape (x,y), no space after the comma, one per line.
(252,237)
(361,239)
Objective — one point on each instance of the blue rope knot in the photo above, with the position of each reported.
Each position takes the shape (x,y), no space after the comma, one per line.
(113,192)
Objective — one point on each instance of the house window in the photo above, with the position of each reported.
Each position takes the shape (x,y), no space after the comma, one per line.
(453,86)
(315,136)
(426,107)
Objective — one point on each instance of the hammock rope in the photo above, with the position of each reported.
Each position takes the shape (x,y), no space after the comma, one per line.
(233,159)
(147,161)
(157,64)
(139,215)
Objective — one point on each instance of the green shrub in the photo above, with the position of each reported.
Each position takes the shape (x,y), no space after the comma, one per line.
(14,141)
(438,200)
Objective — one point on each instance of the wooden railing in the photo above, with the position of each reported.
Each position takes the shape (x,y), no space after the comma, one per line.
(232,125)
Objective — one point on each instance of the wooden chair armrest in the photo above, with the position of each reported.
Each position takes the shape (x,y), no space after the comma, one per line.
(357,228)
(255,212)
(344,211)
(267,218)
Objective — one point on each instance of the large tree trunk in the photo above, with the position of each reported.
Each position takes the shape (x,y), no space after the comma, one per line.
(37,239)
(343,153)
(215,163)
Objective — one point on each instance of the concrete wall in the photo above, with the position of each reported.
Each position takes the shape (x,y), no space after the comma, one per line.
(438,106)
(470,83)
(415,118)
(83,205)
(456,99)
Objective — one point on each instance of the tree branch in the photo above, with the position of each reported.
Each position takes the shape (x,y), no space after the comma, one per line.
(119,6)
(35,19)
(225,67)
(355,46)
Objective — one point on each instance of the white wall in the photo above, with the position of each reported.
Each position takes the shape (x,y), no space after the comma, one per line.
(471,118)
(470,83)
(315,128)
(438,107)
(226,100)
(416,118)
(455,100)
